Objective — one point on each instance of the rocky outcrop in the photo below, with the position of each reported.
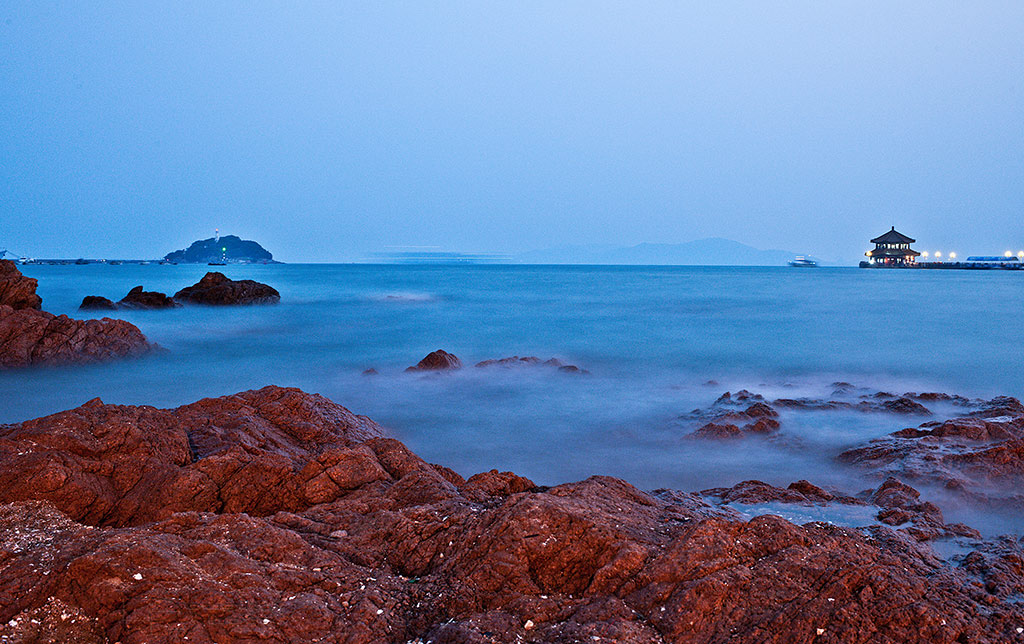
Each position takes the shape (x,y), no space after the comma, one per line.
(16,290)
(531,361)
(439,360)
(32,337)
(29,337)
(276,515)
(136,299)
(971,454)
(758,418)
(216,289)
(97,303)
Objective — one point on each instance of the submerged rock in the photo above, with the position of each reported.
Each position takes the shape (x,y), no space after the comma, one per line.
(16,290)
(278,515)
(215,289)
(972,454)
(439,360)
(531,361)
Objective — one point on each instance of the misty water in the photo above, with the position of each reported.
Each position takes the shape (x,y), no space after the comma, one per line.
(651,338)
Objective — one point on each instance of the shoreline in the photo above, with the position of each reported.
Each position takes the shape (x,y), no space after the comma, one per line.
(343,534)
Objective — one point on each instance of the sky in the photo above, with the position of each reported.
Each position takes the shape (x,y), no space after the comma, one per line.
(328,131)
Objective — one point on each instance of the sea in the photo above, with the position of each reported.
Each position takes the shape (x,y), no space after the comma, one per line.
(656,343)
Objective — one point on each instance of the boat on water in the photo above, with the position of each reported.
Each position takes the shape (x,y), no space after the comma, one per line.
(802,262)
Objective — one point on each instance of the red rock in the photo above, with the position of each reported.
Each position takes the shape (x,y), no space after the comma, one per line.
(439,360)
(215,289)
(974,456)
(407,551)
(30,337)
(16,290)
(761,410)
(718,430)
(905,406)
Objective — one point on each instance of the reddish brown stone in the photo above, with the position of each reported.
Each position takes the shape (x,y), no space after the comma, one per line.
(439,360)
(16,290)
(399,550)
(30,337)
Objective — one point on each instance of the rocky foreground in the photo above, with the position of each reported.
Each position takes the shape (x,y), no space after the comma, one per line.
(30,336)
(279,516)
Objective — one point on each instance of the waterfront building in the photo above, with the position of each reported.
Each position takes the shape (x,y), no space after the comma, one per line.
(892,249)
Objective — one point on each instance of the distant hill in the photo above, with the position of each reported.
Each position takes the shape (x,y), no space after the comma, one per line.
(228,249)
(713,251)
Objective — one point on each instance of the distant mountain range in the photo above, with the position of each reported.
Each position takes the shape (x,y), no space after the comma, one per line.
(713,251)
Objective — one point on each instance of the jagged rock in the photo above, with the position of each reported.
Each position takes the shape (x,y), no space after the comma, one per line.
(30,337)
(439,360)
(16,290)
(970,454)
(216,289)
(135,524)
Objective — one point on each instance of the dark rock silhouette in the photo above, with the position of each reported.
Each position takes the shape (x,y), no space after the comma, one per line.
(215,289)
(228,248)
(136,299)
(96,303)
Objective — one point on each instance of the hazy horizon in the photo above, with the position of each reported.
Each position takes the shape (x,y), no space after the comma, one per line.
(329,133)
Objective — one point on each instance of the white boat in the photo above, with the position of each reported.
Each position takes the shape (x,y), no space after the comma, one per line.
(802,262)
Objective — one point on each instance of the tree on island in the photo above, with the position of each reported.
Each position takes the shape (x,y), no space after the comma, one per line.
(228,248)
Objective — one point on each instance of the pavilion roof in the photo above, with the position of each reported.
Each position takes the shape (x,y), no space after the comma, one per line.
(893,237)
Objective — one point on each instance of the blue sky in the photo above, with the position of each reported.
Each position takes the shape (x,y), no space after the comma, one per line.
(330,130)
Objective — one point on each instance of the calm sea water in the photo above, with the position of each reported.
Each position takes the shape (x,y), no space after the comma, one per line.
(651,337)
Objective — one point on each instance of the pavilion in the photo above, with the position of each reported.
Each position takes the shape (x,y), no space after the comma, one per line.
(892,249)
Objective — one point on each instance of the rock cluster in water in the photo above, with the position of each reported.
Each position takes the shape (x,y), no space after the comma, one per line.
(439,360)
(214,289)
(29,336)
(279,516)
(217,290)
(137,299)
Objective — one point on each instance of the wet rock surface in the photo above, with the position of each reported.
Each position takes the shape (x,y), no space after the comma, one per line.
(972,454)
(279,516)
(16,290)
(439,360)
(216,289)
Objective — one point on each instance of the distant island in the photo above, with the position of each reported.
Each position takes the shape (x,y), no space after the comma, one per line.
(714,251)
(228,249)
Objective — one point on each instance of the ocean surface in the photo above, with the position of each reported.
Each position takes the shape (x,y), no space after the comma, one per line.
(657,342)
